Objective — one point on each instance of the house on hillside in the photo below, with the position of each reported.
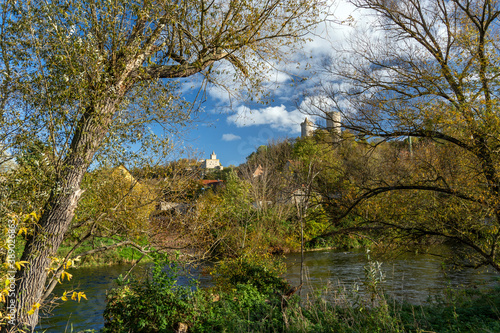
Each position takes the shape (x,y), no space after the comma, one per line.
(122,171)
(258,172)
(212,184)
(177,207)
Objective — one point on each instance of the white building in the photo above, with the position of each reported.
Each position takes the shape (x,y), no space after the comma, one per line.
(212,162)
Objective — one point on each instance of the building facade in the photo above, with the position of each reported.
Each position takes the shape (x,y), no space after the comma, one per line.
(212,162)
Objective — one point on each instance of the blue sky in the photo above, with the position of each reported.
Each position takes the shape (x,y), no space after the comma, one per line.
(234,128)
(234,136)
(235,132)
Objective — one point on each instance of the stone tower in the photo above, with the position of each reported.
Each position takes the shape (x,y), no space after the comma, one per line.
(307,128)
(333,120)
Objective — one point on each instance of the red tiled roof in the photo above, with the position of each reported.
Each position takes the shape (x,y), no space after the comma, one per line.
(211,181)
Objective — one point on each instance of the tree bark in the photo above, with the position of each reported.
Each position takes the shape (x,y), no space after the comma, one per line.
(59,210)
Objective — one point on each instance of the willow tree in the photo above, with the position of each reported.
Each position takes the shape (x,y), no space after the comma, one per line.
(94,73)
(430,71)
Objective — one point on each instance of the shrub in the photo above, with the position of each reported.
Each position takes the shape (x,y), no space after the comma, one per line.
(261,271)
(247,297)
(156,304)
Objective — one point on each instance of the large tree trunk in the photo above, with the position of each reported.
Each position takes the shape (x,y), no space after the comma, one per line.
(59,210)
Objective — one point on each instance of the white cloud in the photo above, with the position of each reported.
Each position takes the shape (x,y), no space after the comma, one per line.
(275,116)
(230,137)
(300,68)
(277,75)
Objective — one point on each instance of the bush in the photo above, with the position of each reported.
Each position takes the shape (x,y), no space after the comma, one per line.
(156,304)
(247,297)
(261,271)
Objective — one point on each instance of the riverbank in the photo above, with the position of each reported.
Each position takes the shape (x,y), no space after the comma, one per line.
(458,311)
(415,279)
(249,295)
(130,255)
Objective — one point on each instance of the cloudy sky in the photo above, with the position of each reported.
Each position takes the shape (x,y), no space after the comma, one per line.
(234,128)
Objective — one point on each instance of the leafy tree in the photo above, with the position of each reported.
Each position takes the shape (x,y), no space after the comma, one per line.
(312,167)
(222,217)
(431,73)
(89,78)
(265,171)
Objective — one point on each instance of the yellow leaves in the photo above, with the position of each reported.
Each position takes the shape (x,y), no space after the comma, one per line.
(74,296)
(22,230)
(32,217)
(33,308)
(8,317)
(5,291)
(71,262)
(65,274)
(78,295)
(20,264)
(58,266)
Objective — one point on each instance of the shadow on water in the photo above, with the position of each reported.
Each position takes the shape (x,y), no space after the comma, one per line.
(88,313)
(410,277)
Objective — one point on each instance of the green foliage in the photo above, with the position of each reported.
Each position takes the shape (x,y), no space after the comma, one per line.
(155,304)
(445,185)
(92,78)
(114,200)
(158,303)
(261,271)
(224,174)
(466,310)
(27,187)
(243,309)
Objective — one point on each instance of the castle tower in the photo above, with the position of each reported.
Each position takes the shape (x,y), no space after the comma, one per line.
(307,128)
(213,156)
(333,120)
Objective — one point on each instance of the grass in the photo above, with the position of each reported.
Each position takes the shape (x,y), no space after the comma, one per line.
(457,311)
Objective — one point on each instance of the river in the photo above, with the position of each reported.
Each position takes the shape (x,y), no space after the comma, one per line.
(410,277)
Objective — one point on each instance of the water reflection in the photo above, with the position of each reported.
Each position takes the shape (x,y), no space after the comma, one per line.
(71,316)
(410,277)
(88,313)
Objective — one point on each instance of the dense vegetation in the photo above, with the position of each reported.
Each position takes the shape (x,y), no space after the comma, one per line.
(90,78)
(249,295)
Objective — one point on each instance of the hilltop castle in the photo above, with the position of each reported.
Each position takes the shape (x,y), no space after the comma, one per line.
(211,163)
(333,121)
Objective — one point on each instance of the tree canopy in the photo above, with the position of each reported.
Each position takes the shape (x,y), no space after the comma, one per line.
(429,70)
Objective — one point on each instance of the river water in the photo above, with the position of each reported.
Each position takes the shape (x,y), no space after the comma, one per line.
(410,277)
